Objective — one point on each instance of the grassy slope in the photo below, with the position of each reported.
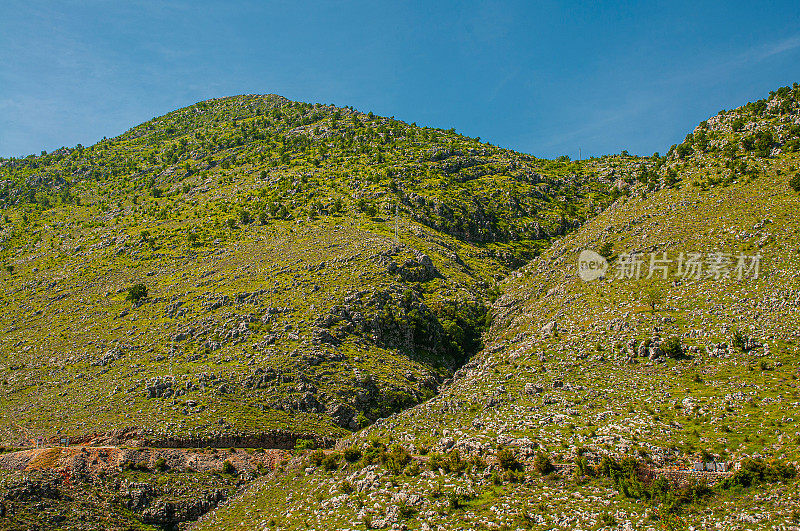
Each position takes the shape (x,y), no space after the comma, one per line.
(252,195)
(737,405)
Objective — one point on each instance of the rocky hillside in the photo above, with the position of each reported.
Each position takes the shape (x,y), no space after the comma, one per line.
(112,488)
(592,398)
(250,270)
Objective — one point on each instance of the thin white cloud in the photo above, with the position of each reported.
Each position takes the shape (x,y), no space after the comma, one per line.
(717,68)
(766,51)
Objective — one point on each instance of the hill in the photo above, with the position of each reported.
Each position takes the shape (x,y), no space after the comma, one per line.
(248,271)
(592,400)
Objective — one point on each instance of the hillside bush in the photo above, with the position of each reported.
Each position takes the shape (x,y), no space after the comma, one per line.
(738,340)
(606,250)
(304,444)
(451,462)
(228,468)
(396,459)
(672,348)
(508,460)
(316,457)
(161,464)
(137,292)
(374,453)
(331,461)
(352,454)
(542,464)
(755,471)
(794,182)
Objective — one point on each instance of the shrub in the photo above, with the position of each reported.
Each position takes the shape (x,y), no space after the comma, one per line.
(477,462)
(518,476)
(331,461)
(304,444)
(738,340)
(374,453)
(228,468)
(367,208)
(132,465)
(582,467)
(161,464)
(794,182)
(755,471)
(672,348)
(450,462)
(453,462)
(405,510)
(653,296)
(606,250)
(761,143)
(137,292)
(608,520)
(507,459)
(542,464)
(396,459)
(352,454)
(454,500)
(684,150)
(346,487)
(412,469)
(316,457)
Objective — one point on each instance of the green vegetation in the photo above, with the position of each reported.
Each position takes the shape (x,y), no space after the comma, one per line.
(228,468)
(756,471)
(542,464)
(315,273)
(794,182)
(137,292)
(261,234)
(672,347)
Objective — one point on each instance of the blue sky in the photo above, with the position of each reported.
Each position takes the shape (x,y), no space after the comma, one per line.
(545,78)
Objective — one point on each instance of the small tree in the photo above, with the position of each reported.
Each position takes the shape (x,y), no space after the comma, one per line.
(137,292)
(653,296)
(542,464)
(684,150)
(352,454)
(672,348)
(507,459)
(606,250)
(228,468)
(739,340)
(305,444)
(330,461)
(367,208)
(794,182)
(316,457)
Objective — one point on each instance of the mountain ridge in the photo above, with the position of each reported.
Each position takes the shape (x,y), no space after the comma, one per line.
(254,267)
